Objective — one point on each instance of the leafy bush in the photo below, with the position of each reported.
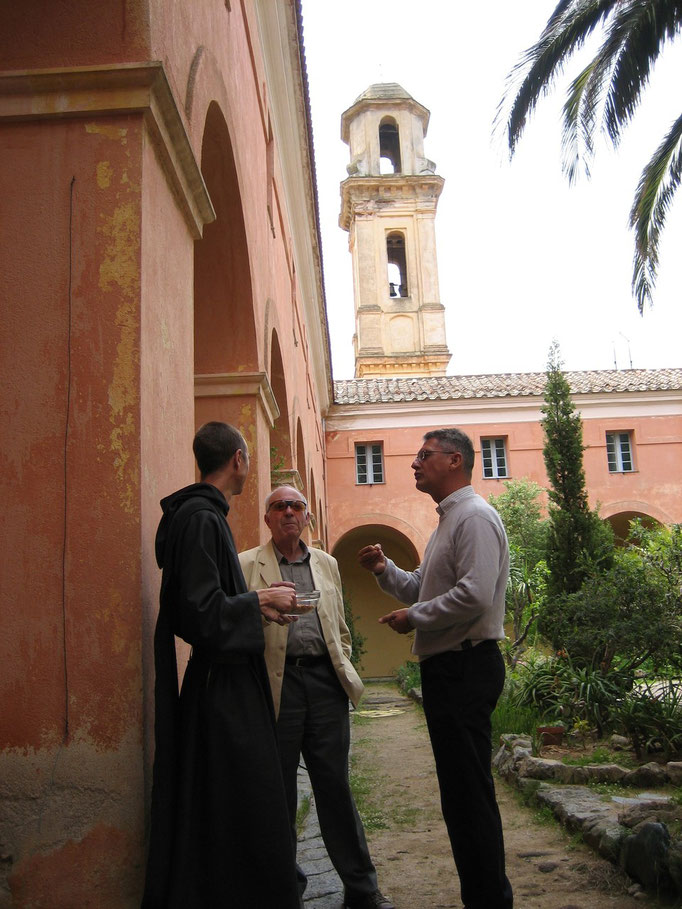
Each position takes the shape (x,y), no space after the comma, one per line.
(629,615)
(562,691)
(357,639)
(511,718)
(409,676)
(652,717)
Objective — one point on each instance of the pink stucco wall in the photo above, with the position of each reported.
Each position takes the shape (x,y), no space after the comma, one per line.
(98,271)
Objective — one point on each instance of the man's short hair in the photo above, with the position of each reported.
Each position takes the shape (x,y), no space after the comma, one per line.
(282,486)
(214,444)
(457,441)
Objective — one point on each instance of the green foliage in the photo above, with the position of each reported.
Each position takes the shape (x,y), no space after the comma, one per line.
(509,717)
(600,755)
(521,513)
(409,676)
(629,615)
(652,717)
(562,691)
(357,639)
(579,543)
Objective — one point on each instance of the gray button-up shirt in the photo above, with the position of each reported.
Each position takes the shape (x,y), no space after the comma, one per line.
(458,591)
(305,634)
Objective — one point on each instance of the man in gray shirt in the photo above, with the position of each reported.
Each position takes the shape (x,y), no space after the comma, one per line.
(456,605)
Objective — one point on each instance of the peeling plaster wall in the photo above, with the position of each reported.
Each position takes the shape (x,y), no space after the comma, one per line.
(72,716)
(102,209)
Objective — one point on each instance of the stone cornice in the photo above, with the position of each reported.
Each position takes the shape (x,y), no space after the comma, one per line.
(367,196)
(128,88)
(234,384)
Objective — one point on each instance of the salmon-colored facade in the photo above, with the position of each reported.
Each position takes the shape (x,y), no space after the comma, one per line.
(645,405)
(160,266)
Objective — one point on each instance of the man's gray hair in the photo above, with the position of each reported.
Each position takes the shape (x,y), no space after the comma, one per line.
(457,441)
(283,486)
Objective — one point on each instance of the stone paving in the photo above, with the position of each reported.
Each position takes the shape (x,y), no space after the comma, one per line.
(324,890)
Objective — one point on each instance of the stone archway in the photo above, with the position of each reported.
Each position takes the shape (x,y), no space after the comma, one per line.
(620,523)
(227,379)
(384,650)
(280,434)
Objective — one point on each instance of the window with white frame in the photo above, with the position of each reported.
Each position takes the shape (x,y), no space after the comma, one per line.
(494,458)
(619,452)
(369,463)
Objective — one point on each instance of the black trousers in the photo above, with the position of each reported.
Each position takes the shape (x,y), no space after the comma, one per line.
(313,721)
(460,690)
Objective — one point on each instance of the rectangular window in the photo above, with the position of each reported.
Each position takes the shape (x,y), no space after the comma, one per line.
(619,452)
(494,457)
(369,463)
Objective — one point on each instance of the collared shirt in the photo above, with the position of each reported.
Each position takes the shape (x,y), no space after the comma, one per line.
(458,592)
(305,635)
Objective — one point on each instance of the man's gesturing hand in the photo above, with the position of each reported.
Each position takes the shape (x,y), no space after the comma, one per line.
(372,558)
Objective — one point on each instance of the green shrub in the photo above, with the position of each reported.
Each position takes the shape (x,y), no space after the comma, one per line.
(652,717)
(511,718)
(409,676)
(562,692)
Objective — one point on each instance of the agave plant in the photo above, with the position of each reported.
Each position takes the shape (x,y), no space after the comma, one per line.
(604,97)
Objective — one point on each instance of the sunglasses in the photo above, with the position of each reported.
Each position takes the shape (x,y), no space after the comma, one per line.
(427,452)
(283,504)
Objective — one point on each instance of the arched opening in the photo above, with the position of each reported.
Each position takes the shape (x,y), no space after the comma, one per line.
(280,434)
(224,325)
(225,345)
(384,650)
(389,147)
(397,264)
(620,523)
(312,506)
(322,529)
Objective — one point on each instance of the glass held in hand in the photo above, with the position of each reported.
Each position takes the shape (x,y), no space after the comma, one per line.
(306,601)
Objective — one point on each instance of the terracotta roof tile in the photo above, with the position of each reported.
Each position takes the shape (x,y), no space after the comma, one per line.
(379,390)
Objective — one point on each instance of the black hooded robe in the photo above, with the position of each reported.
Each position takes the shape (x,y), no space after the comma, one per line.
(220,834)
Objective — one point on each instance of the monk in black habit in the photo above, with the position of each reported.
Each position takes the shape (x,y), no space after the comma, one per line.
(220,833)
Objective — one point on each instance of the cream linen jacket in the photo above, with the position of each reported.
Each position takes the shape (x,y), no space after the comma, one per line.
(261,569)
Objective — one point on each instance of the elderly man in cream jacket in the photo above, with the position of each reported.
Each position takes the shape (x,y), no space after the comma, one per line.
(312,678)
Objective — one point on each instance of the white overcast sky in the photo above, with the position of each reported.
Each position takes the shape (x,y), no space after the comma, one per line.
(523,257)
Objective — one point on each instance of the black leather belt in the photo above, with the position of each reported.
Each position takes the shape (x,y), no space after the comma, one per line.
(303,661)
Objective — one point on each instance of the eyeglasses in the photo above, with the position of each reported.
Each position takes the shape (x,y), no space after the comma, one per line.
(283,504)
(426,452)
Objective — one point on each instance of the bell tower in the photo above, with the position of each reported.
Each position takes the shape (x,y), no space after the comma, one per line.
(388,206)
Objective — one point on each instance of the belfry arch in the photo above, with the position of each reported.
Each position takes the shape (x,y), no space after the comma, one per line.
(384,650)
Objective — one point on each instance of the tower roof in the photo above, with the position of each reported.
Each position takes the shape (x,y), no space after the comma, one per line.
(384,91)
(383,94)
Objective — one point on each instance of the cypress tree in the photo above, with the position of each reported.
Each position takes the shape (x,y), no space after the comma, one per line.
(578,541)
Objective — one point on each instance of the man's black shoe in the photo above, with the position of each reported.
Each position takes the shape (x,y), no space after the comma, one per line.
(374,900)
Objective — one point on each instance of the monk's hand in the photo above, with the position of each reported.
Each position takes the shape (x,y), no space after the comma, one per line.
(372,558)
(277,602)
(397,621)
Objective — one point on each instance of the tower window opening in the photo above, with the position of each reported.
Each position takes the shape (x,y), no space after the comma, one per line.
(397,265)
(389,147)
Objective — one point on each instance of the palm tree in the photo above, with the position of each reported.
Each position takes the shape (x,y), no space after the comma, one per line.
(604,96)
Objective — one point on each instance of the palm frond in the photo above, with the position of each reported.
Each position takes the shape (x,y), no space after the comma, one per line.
(637,35)
(568,27)
(657,186)
(578,130)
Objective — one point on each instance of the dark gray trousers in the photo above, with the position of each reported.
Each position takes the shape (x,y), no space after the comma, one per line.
(313,721)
